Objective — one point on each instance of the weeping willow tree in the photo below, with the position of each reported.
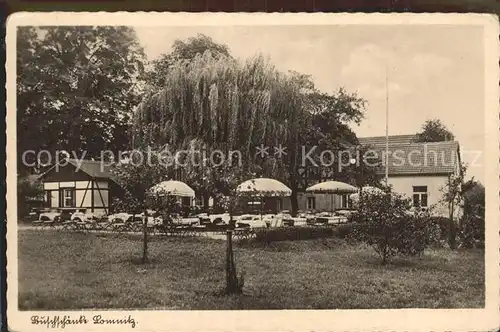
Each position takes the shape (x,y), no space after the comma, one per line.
(221,103)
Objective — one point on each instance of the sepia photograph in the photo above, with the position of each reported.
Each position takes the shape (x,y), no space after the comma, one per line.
(261,165)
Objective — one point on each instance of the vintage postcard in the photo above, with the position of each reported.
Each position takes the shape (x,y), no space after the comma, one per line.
(252,172)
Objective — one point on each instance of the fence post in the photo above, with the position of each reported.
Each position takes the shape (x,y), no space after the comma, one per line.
(231,279)
(145,237)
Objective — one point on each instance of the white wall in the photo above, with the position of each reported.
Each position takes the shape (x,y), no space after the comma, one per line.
(82,184)
(50,185)
(404,185)
(54,199)
(100,200)
(82,198)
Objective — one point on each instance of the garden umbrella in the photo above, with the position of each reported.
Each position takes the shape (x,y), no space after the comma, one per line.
(263,187)
(332,187)
(173,188)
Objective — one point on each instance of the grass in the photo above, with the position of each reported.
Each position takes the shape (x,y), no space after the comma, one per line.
(61,270)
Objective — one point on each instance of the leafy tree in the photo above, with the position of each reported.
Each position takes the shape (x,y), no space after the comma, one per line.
(472,222)
(474,197)
(388,224)
(453,191)
(77,87)
(27,187)
(325,123)
(434,131)
(182,50)
(136,177)
(228,105)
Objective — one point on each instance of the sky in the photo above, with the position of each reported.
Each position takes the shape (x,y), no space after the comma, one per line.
(432,71)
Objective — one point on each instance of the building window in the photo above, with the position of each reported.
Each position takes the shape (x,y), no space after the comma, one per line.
(420,196)
(311,203)
(68,198)
(345,202)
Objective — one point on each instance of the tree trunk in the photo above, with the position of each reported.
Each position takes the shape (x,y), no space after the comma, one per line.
(145,238)
(231,278)
(294,202)
(452,240)
(206,201)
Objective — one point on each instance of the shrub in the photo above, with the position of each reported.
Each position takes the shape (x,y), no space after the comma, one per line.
(471,233)
(443,223)
(293,233)
(387,223)
(344,231)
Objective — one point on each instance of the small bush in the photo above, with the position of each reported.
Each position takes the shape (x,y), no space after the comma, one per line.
(443,223)
(387,223)
(471,232)
(293,234)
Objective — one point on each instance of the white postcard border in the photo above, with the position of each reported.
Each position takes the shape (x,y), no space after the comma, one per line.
(276,320)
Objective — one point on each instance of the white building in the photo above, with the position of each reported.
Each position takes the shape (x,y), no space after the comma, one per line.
(418,170)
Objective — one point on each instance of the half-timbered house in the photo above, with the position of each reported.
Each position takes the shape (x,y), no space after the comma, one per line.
(80,184)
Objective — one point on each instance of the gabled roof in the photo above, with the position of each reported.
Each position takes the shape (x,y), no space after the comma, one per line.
(406,157)
(94,168)
(393,139)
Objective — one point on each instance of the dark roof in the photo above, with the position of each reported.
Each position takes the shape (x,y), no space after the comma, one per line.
(393,139)
(94,168)
(407,157)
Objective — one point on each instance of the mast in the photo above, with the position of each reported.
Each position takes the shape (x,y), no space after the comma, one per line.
(386,126)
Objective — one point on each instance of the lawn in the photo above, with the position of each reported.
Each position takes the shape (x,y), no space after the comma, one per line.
(62,270)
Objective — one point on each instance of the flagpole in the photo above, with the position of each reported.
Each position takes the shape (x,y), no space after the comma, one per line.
(386,126)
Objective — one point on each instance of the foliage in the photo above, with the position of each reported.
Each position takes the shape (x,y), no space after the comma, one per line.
(472,223)
(474,198)
(443,224)
(388,224)
(27,188)
(434,131)
(181,50)
(136,177)
(76,88)
(232,106)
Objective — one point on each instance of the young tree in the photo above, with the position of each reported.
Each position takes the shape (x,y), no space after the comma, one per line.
(388,224)
(136,177)
(434,131)
(472,224)
(453,197)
